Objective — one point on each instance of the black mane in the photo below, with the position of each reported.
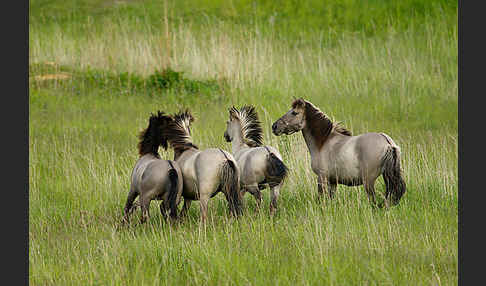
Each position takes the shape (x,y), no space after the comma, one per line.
(251,129)
(152,137)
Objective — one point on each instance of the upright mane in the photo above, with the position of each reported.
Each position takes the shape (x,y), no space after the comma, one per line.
(251,129)
(151,137)
(319,124)
(178,131)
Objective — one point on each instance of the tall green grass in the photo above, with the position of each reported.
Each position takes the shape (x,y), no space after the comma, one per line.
(375,65)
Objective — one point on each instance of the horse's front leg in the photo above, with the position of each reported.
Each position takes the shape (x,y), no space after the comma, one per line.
(145,205)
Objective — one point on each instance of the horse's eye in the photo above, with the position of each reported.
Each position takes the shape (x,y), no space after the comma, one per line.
(294,113)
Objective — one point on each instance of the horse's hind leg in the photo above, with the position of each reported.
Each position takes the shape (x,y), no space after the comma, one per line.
(370,190)
(203,204)
(274,193)
(129,204)
(144,204)
(255,192)
(185,208)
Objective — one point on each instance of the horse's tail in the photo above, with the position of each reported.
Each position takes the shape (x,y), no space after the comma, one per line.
(392,173)
(174,180)
(275,171)
(230,185)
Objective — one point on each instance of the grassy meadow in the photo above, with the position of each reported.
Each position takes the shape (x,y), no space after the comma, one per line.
(98,68)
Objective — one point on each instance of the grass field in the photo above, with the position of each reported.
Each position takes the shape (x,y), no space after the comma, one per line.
(96,72)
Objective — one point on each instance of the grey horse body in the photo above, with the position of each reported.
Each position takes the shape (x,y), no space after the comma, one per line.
(154,178)
(348,159)
(337,157)
(150,178)
(201,172)
(252,162)
(260,166)
(205,172)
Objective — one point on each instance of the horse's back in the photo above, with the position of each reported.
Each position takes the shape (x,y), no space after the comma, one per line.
(212,157)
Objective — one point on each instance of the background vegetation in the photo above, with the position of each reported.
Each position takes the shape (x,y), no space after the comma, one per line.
(98,68)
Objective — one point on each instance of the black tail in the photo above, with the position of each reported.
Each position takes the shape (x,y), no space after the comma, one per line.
(276,170)
(230,185)
(392,175)
(174,179)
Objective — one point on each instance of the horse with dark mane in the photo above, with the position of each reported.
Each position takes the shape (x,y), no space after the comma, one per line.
(205,172)
(152,177)
(260,166)
(337,157)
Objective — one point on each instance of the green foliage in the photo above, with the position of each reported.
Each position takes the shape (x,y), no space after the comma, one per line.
(166,81)
(169,79)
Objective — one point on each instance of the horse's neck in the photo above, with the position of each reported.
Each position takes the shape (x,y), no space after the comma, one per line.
(310,141)
(237,144)
(314,150)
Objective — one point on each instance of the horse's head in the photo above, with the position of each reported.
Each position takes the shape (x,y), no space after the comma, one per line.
(232,126)
(292,121)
